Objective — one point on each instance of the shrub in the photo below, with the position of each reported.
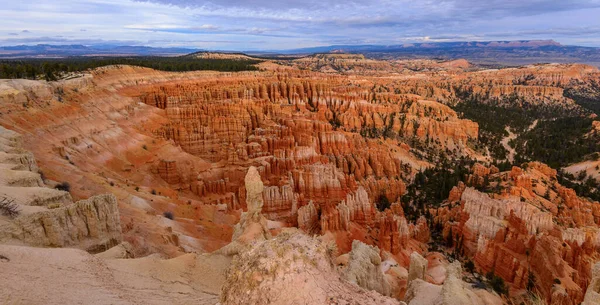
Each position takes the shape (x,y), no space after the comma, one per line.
(557,281)
(145,147)
(137,188)
(169,215)
(153,192)
(112,183)
(470,266)
(530,281)
(497,283)
(9,208)
(383,203)
(64,186)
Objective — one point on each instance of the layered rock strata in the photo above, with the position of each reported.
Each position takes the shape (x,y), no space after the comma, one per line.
(46,217)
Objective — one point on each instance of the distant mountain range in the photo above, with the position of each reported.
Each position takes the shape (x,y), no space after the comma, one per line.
(49,51)
(487,53)
(426,46)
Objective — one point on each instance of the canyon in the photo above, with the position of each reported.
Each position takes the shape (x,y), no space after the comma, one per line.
(231,187)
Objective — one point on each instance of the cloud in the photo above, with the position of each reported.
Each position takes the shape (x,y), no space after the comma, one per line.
(13,34)
(268,5)
(173,28)
(272,25)
(478,8)
(60,40)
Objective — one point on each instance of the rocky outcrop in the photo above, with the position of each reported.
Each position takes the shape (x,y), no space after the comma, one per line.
(534,226)
(91,224)
(281,203)
(393,232)
(592,295)
(355,208)
(48,217)
(453,292)
(364,268)
(417,268)
(308,218)
(167,169)
(487,216)
(293,260)
(533,85)
(252,226)
(420,230)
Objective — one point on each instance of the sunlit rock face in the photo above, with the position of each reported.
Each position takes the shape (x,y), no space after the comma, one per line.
(292,259)
(209,161)
(311,135)
(546,230)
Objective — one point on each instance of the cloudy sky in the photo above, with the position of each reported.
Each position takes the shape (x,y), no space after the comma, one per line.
(285,24)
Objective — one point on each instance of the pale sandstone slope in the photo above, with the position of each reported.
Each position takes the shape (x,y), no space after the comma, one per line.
(48,217)
(32,275)
(71,276)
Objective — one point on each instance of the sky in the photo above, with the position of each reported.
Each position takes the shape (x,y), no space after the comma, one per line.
(280,24)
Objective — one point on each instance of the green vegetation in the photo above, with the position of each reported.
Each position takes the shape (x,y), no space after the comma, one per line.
(64,186)
(497,283)
(493,115)
(433,185)
(169,215)
(558,142)
(9,208)
(586,95)
(383,203)
(53,69)
(530,281)
(585,187)
(470,266)
(556,281)
(491,131)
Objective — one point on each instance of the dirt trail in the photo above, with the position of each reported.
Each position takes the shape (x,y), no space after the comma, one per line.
(511,136)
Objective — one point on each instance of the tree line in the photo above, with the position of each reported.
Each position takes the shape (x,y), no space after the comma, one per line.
(558,142)
(53,69)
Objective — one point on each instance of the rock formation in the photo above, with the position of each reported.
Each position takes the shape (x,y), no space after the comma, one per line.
(186,153)
(91,224)
(253,225)
(167,169)
(393,232)
(453,292)
(592,296)
(364,268)
(417,268)
(308,218)
(289,260)
(47,217)
(526,229)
